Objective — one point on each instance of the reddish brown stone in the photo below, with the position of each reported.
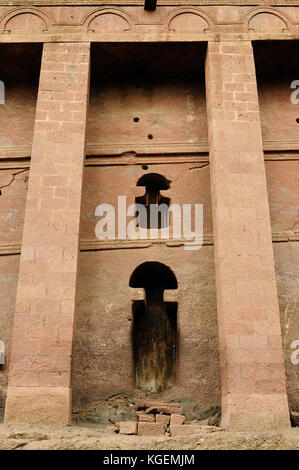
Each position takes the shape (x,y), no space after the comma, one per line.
(177,419)
(184,429)
(245,275)
(33,404)
(42,327)
(128,427)
(163,419)
(146,418)
(164,409)
(47,279)
(151,429)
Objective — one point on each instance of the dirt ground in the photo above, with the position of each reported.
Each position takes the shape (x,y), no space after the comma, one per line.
(25,437)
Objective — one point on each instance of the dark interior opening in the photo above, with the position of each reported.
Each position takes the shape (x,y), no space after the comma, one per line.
(156,205)
(277,70)
(19,72)
(20,63)
(274,59)
(154,328)
(143,94)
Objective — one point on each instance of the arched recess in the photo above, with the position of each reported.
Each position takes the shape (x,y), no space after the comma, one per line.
(267,20)
(156,205)
(154,328)
(108,20)
(25,19)
(188,20)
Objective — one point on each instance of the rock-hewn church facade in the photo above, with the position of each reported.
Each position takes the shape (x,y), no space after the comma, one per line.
(174,102)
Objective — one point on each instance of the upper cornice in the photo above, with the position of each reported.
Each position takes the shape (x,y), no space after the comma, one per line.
(160,3)
(102,21)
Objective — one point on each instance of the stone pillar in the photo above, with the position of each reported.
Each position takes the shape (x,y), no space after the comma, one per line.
(252,364)
(39,388)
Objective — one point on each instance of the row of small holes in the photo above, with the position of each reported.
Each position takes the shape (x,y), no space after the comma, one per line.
(150,136)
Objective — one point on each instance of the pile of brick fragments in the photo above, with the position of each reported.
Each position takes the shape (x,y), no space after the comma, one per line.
(157,419)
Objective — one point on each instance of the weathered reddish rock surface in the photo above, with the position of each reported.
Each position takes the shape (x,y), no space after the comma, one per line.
(128,427)
(167,409)
(216,135)
(151,429)
(163,419)
(177,419)
(146,418)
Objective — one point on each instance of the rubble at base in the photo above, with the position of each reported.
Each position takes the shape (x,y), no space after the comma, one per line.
(159,419)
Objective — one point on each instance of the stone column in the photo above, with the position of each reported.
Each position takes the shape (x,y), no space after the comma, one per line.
(252,364)
(39,388)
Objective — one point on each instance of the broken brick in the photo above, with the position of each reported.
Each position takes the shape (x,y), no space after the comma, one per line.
(162,419)
(128,427)
(177,419)
(151,429)
(146,418)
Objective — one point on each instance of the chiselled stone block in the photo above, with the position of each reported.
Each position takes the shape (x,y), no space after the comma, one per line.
(177,419)
(151,429)
(128,427)
(163,419)
(146,418)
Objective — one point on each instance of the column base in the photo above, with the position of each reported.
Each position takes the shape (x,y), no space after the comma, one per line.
(38,405)
(255,413)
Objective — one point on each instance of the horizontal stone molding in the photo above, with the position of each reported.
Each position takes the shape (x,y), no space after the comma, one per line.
(99,245)
(201,21)
(146,159)
(134,3)
(95,245)
(169,147)
(160,151)
(131,159)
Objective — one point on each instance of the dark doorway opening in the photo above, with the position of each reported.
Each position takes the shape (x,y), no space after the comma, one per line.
(154,328)
(156,205)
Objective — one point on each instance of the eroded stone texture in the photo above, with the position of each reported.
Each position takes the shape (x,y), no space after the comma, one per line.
(151,429)
(104,325)
(163,419)
(125,91)
(177,419)
(9,266)
(34,404)
(128,427)
(287,272)
(146,418)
